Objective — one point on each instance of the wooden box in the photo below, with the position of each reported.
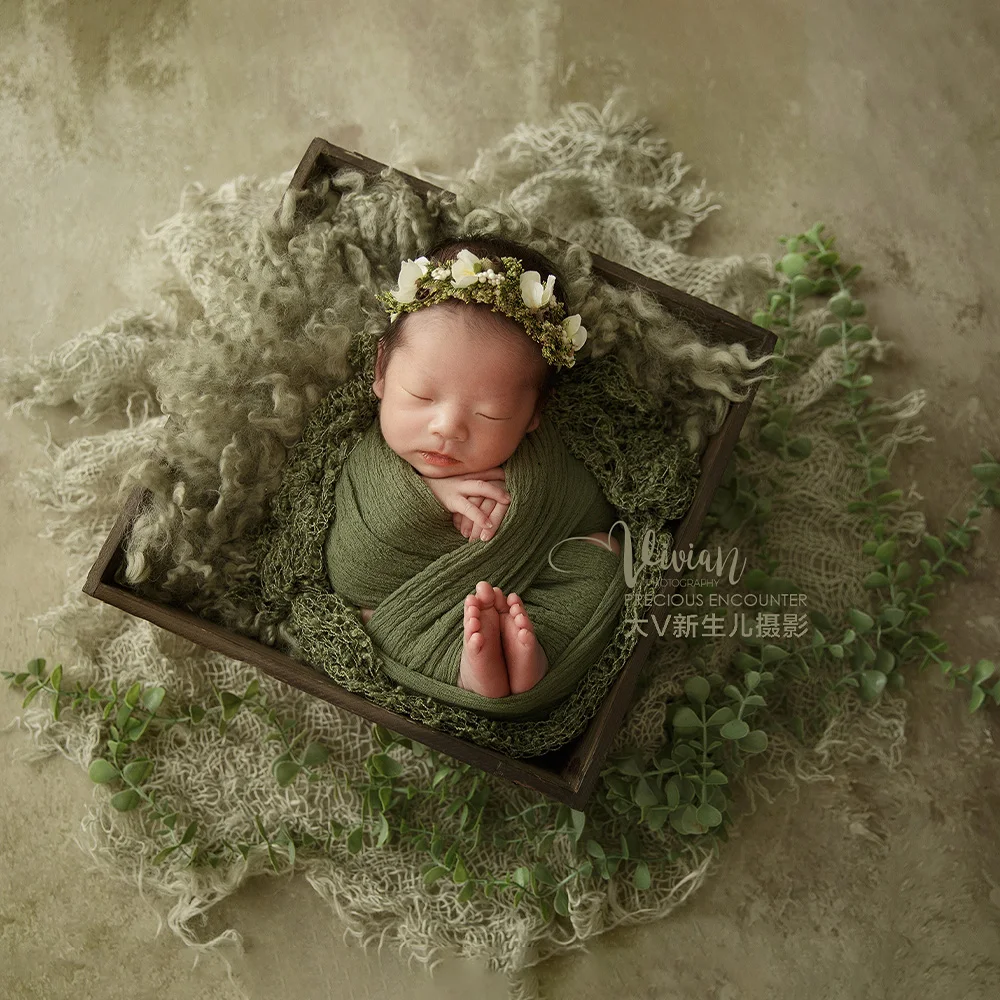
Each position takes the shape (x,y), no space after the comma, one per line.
(570,773)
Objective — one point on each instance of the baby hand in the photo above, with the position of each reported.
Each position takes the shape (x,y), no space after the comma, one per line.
(466,496)
(467,527)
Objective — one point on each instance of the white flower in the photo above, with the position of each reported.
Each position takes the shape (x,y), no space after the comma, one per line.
(410,272)
(534,293)
(573,331)
(392,317)
(463,271)
(439,273)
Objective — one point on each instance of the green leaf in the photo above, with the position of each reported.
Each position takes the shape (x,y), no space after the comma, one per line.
(698,689)
(561,902)
(988,473)
(382,735)
(872,684)
(230,704)
(773,433)
(874,580)
(386,765)
(643,794)
(132,695)
(935,545)
(744,661)
(886,552)
(803,286)
(893,616)
(709,816)
(315,754)
(685,718)
(791,264)
(285,772)
(984,669)
(721,716)
(755,742)
(594,849)
(102,771)
(885,661)
(755,579)
(543,874)
(152,698)
(355,841)
(166,852)
(782,415)
(840,304)
(976,698)
(430,876)
(657,816)
(771,654)
(862,623)
(859,333)
(137,771)
(828,336)
(734,730)
(801,447)
(820,620)
(640,877)
(522,877)
(125,800)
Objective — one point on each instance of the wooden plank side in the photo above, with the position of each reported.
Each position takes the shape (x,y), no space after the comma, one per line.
(110,555)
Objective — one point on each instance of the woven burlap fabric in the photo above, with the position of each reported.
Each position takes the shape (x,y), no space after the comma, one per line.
(220,289)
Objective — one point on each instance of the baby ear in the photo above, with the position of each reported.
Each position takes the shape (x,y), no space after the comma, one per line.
(536,417)
(378,385)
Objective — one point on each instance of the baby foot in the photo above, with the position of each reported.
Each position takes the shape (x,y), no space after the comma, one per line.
(483,669)
(526,660)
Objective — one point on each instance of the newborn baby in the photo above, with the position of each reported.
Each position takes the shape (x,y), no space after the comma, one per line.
(459,387)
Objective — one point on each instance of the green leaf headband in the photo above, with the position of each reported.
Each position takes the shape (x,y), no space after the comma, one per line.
(514,292)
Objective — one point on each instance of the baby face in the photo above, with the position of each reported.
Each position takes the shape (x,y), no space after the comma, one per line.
(459,391)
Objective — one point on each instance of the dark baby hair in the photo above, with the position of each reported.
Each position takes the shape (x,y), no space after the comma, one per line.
(482,245)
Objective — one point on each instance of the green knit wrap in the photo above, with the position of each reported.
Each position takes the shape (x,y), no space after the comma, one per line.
(393,547)
(624,437)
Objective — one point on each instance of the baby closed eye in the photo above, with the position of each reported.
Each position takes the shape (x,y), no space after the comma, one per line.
(425,399)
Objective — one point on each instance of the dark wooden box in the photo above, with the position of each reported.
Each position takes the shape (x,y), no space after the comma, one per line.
(570,773)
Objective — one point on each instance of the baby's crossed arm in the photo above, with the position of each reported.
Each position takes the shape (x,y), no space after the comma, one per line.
(480,500)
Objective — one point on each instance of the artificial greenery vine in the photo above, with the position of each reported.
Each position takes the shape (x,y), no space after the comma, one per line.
(710,730)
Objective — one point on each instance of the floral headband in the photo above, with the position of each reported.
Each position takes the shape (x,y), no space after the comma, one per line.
(514,292)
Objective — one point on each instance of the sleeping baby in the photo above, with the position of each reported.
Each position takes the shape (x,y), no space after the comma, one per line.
(462,375)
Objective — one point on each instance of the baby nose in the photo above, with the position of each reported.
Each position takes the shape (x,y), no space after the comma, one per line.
(448,423)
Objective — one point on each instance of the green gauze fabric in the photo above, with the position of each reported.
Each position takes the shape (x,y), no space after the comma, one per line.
(393,547)
(626,438)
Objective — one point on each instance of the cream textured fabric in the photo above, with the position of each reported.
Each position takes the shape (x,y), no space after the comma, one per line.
(594,177)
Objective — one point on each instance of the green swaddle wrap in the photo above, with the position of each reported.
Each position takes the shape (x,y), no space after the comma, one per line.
(391,546)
